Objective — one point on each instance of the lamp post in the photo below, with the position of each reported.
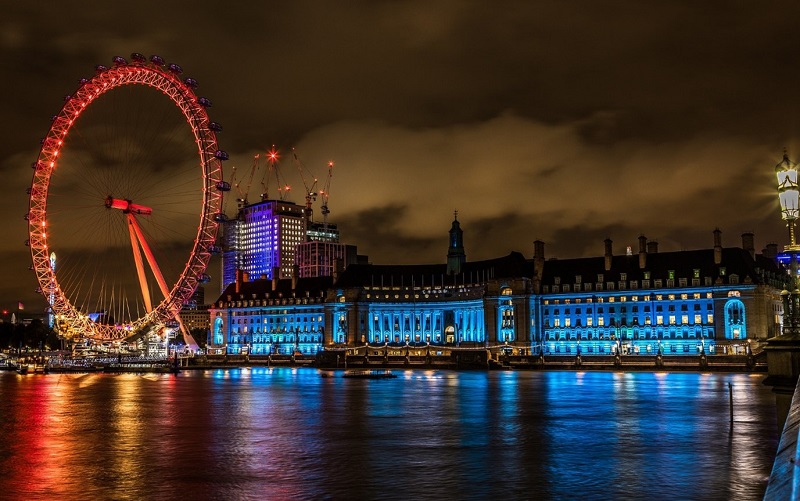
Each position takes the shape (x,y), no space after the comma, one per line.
(783,351)
(788,194)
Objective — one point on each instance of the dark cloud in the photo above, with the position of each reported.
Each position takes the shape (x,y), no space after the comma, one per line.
(567,122)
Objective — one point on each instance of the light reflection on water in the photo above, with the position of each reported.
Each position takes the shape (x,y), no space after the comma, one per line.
(290,434)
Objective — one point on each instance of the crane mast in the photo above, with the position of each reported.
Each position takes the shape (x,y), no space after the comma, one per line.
(311,195)
(324,193)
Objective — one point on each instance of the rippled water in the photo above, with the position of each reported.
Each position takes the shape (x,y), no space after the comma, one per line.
(290,434)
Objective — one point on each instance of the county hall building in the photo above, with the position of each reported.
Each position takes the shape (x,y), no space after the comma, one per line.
(708,301)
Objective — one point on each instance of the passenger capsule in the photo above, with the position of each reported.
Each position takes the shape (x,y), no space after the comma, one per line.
(204,278)
(27,216)
(221,155)
(223,186)
(38,290)
(139,58)
(157,60)
(215,127)
(27,243)
(119,60)
(204,101)
(100,68)
(214,249)
(83,81)
(191,82)
(220,217)
(175,68)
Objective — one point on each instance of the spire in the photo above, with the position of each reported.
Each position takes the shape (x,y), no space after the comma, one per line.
(455,253)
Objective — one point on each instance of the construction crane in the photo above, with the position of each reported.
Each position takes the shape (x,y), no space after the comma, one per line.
(311,195)
(324,193)
(243,192)
(272,157)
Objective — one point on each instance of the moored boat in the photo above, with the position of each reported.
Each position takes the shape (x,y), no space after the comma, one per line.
(369,374)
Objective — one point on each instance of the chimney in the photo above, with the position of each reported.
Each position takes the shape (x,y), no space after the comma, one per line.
(717,246)
(538,258)
(295,276)
(276,271)
(771,251)
(652,247)
(608,253)
(748,243)
(642,251)
(338,268)
(239,280)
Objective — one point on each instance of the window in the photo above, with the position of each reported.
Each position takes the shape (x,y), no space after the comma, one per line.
(735,325)
(623,276)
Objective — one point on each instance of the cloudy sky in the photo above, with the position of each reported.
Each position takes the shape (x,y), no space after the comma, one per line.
(562,121)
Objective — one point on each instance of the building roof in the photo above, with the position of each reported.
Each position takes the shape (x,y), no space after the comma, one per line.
(262,288)
(734,260)
(359,275)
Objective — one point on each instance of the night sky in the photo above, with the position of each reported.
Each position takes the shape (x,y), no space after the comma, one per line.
(567,122)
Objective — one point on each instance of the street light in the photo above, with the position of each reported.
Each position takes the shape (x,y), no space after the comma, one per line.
(789,195)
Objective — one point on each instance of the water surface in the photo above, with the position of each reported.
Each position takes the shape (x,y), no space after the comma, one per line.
(291,434)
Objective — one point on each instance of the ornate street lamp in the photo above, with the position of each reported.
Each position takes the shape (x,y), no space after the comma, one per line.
(789,195)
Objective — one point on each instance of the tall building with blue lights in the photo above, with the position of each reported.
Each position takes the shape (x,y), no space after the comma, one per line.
(262,240)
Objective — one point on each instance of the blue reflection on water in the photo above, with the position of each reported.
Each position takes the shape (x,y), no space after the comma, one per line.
(279,433)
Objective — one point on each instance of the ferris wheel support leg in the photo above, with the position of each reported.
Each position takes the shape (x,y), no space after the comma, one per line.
(137,257)
(162,284)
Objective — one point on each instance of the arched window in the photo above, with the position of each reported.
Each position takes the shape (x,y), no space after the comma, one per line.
(735,324)
(218,337)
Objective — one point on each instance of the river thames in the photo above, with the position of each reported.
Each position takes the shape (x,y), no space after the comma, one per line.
(287,433)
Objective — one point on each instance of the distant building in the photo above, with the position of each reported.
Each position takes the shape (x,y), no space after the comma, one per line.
(196,317)
(320,259)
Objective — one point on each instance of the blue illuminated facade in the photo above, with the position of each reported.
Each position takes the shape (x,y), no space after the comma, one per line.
(265,317)
(712,301)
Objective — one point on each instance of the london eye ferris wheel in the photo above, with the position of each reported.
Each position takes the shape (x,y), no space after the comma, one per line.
(127,191)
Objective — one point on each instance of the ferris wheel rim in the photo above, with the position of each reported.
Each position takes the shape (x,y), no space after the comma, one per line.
(164,78)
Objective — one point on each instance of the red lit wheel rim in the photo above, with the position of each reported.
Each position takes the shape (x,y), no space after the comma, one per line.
(118,136)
